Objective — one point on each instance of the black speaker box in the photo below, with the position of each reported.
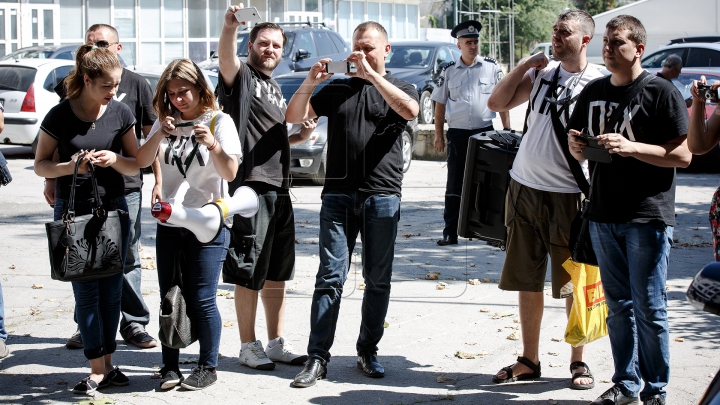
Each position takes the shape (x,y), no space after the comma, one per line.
(490,156)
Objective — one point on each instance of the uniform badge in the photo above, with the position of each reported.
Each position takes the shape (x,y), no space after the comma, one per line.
(471,29)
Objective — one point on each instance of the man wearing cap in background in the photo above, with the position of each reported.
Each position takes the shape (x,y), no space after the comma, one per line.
(463,89)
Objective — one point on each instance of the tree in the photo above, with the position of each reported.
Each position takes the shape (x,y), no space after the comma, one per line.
(594,7)
(534,20)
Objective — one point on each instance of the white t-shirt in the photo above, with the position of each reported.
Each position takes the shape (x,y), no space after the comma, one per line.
(204,184)
(540,163)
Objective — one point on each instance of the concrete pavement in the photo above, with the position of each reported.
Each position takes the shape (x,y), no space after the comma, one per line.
(426,326)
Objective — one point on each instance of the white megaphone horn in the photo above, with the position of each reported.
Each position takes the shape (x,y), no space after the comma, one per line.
(207,222)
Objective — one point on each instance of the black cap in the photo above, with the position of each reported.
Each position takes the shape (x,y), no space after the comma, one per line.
(467,29)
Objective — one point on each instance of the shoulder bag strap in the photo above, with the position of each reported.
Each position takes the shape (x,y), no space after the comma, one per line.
(529,106)
(644,78)
(71,204)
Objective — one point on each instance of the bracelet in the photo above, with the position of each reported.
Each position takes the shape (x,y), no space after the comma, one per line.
(507,129)
(215,142)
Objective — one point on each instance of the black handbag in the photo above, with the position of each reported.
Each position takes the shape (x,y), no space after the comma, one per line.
(177,330)
(86,247)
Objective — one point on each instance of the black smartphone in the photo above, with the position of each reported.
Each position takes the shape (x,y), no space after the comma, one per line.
(594,151)
(185,124)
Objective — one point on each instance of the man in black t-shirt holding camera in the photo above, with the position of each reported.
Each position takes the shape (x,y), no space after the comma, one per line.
(632,206)
(367,114)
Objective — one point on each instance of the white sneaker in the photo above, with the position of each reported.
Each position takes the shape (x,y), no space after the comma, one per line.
(254,356)
(284,353)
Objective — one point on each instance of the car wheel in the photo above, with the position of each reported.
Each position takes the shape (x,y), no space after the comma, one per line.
(406,151)
(318,178)
(427,112)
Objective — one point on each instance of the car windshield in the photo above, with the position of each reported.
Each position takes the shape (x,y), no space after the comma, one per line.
(34,54)
(685,80)
(409,57)
(16,78)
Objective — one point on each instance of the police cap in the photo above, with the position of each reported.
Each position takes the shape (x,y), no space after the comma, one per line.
(467,29)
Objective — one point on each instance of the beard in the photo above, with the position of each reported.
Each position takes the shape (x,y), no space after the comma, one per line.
(569,50)
(258,60)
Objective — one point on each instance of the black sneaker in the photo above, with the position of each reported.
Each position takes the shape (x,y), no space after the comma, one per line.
(202,377)
(85,387)
(114,377)
(75,341)
(170,378)
(654,400)
(614,396)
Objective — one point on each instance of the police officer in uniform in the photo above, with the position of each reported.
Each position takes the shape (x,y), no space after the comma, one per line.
(461,96)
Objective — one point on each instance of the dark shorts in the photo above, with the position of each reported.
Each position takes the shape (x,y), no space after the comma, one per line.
(262,247)
(538,224)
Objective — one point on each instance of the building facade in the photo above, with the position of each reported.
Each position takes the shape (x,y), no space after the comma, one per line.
(155,32)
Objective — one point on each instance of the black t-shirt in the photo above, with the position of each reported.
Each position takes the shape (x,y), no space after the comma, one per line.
(266,150)
(364,136)
(135,92)
(74,134)
(629,190)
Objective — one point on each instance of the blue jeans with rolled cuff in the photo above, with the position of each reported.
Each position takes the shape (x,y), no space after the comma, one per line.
(342,216)
(200,267)
(633,261)
(97,302)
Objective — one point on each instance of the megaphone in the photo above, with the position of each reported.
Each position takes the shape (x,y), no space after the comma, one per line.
(207,222)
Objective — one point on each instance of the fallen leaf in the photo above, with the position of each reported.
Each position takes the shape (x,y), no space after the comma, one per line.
(230,296)
(470,343)
(472,264)
(474,281)
(11,267)
(37,286)
(516,320)
(484,310)
(679,340)
(442,286)
(486,280)
(386,325)
(554,353)
(556,340)
(222,293)
(34,311)
(227,324)
(52,299)
(361,286)
(514,336)
(499,315)
(98,401)
(433,275)
(605,381)
(148,292)
(443,379)
(518,352)
(555,365)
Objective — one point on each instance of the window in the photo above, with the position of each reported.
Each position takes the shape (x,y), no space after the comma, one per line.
(98,12)
(55,77)
(701,57)
(358,14)
(124,14)
(173,50)
(322,40)
(305,41)
(217,14)
(198,51)
(412,24)
(373,11)
(656,60)
(386,15)
(344,19)
(150,53)
(48,24)
(445,55)
(173,15)
(340,43)
(400,17)
(149,20)
(196,19)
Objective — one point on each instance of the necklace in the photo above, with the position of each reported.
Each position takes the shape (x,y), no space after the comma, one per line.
(92,125)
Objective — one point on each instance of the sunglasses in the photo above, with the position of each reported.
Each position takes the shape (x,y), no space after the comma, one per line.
(105,44)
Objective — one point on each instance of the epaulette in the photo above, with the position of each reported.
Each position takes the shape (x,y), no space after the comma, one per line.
(491,60)
(446,65)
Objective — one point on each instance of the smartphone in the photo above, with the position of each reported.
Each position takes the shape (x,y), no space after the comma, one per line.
(247,14)
(185,124)
(340,67)
(595,151)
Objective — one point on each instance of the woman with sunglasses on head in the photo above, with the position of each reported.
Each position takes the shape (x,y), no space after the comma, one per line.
(703,135)
(90,126)
(205,154)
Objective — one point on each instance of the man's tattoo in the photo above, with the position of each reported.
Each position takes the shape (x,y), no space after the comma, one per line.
(400,103)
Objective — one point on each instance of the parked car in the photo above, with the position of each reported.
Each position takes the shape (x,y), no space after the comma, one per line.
(152,73)
(308,159)
(544,47)
(306,44)
(419,63)
(693,54)
(47,52)
(27,94)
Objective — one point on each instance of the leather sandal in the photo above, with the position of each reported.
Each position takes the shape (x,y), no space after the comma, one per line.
(512,378)
(587,374)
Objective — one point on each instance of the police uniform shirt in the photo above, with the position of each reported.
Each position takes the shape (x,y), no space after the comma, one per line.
(465,91)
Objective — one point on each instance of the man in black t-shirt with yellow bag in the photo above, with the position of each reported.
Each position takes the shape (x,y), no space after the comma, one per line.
(367,114)
(632,206)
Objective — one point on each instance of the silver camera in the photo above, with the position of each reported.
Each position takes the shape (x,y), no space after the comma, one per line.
(707,93)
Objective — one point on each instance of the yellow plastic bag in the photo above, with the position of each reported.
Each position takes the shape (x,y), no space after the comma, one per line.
(589,310)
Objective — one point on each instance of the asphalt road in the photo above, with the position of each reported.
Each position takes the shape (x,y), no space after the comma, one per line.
(427,326)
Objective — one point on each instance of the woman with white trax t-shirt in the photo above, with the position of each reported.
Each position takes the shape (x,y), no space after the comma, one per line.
(204,154)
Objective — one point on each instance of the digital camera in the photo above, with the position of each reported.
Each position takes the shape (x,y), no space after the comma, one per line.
(707,93)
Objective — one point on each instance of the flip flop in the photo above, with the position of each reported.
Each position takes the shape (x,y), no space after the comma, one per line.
(512,378)
(587,374)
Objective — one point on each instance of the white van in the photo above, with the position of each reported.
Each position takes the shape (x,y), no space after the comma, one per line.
(545,47)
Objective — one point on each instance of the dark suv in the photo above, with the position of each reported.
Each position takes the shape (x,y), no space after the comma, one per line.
(306,44)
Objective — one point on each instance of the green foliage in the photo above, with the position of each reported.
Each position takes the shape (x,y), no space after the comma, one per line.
(534,21)
(594,7)
(433,21)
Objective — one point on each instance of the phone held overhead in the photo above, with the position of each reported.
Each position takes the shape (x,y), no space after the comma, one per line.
(247,14)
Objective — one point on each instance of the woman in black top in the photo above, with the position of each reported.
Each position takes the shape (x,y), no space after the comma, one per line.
(90,125)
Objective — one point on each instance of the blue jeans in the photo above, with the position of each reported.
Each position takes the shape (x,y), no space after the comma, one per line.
(200,267)
(633,261)
(457,144)
(342,216)
(3,332)
(97,302)
(134,311)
